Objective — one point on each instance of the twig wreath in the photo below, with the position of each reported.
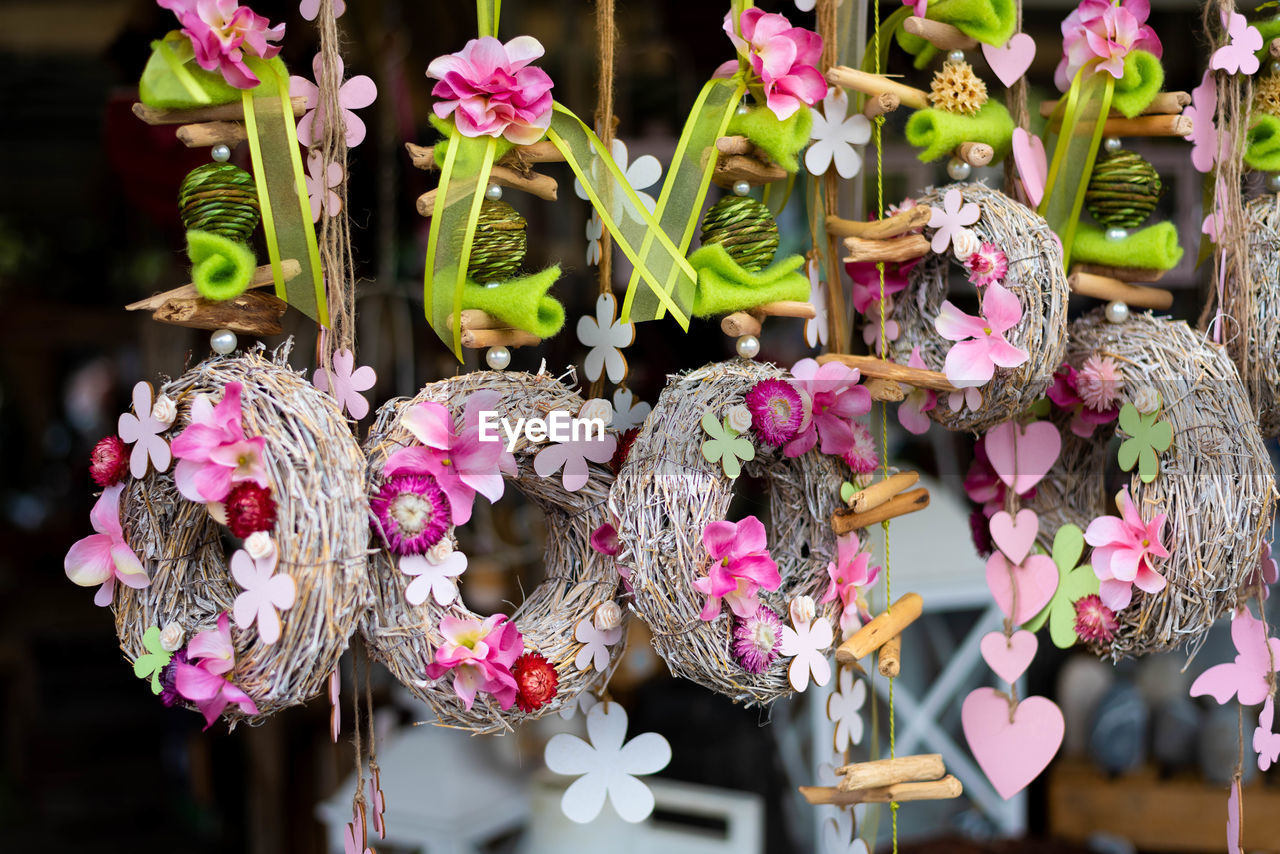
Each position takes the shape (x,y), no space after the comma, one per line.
(567,635)
(1257,340)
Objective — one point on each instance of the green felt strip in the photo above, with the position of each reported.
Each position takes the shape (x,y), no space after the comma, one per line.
(1143,77)
(160,87)
(724,286)
(520,303)
(221,268)
(939,132)
(988,21)
(782,140)
(1153,248)
(1262,149)
(469,156)
(1269,29)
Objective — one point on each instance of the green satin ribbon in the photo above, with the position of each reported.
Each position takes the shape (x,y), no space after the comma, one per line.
(487,14)
(179,70)
(282,190)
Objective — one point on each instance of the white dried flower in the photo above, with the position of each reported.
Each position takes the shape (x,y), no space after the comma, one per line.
(1146,400)
(172,637)
(803,609)
(739,418)
(597,409)
(965,243)
(608,616)
(440,552)
(164,410)
(259,545)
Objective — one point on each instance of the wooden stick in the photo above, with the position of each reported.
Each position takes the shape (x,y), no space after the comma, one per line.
(738,324)
(784,308)
(251,313)
(890,659)
(1124,274)
(474,318)
(1164,103)
(1104,288)
(289,270)
(1142,126)
(884,391)
(209,134)
(476,339)
(733,168)
(1274,48)
(935,790)
(880,105)
(873,635)
(875,84)
(886,772)
(881,229)
(424,156)
(844,521)
(537,184)
(878,493)
(905,248)
(870,366)
(216,113)
(741,145)
(940,35)
(975,153)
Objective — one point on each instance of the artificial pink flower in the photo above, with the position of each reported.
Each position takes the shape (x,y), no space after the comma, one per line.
(203,678)
(213,452)
(850,573)
(481,655)
(862,457)
(918,7)
(740,567)
(981,345)
(987,266)
(918,401)
(837,400)
(866,285)
(222,32)
(604,540)
(756,639)
(1098,383)
(1095,622)
(1102,34)
(105,558)
(1065,394)
(1123,553)
(777,411)
(489,90)
(782,56)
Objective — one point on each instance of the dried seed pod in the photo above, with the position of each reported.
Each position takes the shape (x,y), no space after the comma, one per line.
(1123,190)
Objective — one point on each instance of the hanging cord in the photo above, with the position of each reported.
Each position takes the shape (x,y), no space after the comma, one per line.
(607,35)
(358,799)
(1016,99)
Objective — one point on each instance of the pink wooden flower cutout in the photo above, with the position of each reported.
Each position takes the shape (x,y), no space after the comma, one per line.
(1204,134)
(321,180)
(346,382)
(355,94)
(378,802)
(1246,678)
(142,429)
(1235,817)
(573,455)
(355,839)
(433,579)
(310,9)
(595,645)
(981,345)
(1265,742)
(264,592)
(105,558)
(1239,55)
(949,220)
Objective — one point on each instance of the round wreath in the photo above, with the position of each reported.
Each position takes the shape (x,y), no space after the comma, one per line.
(1034,274)
(1254,343)
(563,623)
(666,495)
(1215,481)
(314,469)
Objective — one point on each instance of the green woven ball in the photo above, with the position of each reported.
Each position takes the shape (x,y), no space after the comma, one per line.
(499,245)
(1123,190)
(220,198)
(745,228)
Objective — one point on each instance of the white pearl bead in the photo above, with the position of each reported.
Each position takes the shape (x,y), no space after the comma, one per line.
(1111,144)
(741,188)
(748,346)
(223,342)
(1117,233)
(1275,68)
(955,56)
(220,153)
(743,109)
(493,193)
(493,284)
(1117,312)
(498,358)
(958,169)
(1273,182)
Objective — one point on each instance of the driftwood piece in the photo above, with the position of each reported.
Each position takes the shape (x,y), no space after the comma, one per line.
(1106,288)
(940,35)
(732,168)
(871,366)
(886,772)
(897,249)
(881,491)
(873,635)
(1140,126)
(975,153)
(880,105)
(423,156)
(876,84)
(890,659)
(477,339)
(215,113)
(884,391)
(935,790)
(844,521)
(784,308)
(1124,274)
(881,229)
(251,313)
(209,134)
(1164,103)
(289,270)
(537,184)
(738,324)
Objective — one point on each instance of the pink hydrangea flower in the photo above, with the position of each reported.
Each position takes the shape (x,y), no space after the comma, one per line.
(981,345)
(862,457)
(784,57)
(105,558)
(740,567)
(203,679)
(213,452)
(1098,383)
(1124,551)
(1065,394)
(1100,33)
(480,655)
(222,32)
(850,572)
(489,89)
(987,266)
(837,400)
(777,411)
(918,401)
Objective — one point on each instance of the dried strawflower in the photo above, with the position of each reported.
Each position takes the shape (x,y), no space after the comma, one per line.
(862,456)
(1095,622)
(987,266)
(108,461)
(980,530)
(776,411)
(756,639)
(536,681)
(956,89)
(412,511)
(250,508)
(626,439)
(1098,383)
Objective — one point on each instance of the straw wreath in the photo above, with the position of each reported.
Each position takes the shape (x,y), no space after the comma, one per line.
(1253,338)
(316,475)
(1035,276)
(578,579)
(1215,481)
(667,493)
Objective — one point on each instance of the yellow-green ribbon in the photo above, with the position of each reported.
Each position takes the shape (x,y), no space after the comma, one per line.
(180,73)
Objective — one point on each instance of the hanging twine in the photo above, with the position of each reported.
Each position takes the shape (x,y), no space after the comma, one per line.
(607,36)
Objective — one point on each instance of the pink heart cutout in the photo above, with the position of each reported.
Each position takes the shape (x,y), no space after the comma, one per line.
(1033,167)
(1011,61)
(1022,456)
(1009,657)
(1015,535)
(1036,579)
(1011,753)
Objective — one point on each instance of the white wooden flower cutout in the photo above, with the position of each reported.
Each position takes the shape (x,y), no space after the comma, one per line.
(838,833)
(807,644)
(606,766)
(627,412)
(142,428)
(641,174)
(816,328)
(595,645)
(605,335)
(595,230)
(433,579)
(834,135)
(844,709)
(584,702)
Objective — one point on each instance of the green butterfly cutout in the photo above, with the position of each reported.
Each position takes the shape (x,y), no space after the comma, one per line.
(726,445)
(1148,437)
(1074,583)
(847,491)
(154,661)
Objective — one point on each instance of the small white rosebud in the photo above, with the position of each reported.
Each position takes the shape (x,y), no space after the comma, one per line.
(171,637)
(803,610)
(608,616)
(597,409)
(740,418)
(259,545)
(965,243)
(440,552)
(165,410)
(1146,400)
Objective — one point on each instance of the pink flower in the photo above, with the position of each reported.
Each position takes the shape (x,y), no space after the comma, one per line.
(850,572)
(489,91)
(911,412)
(782,56)
(1098,383)
(866,285)
(987,266)
(983,485)
(604,540)
(756,639)
(104,558)
(1098,32)
(205,682)
(412,512)
(1065,394)
(213,452)
(461,462)
(862,457)
(354,94)
(918,7)
(1123,552)
(981,343)
(1265,574)
(1095,622)
(777,411)
(837,401)
(740,566)
(222,32)
(480,654)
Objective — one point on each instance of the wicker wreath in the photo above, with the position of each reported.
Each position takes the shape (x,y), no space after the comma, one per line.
(579,580)
(316,474)
(1215,481)
(1254,339)
(667,493)
(1035,276)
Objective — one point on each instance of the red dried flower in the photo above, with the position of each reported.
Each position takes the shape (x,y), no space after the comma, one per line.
(108,461)
(1095,622)
(536,681)
(625,440)
(250,508)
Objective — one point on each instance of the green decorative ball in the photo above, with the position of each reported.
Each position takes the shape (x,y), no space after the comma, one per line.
(499,245)
(220,198)
(745,228)
(1123,190)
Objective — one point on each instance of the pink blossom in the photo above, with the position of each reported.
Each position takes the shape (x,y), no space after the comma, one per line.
(222,32)
(604,540)
(862,457)
(918,7)
(911,412)
(740,566)
(1265,574)
(837,400)
(1065,394)
(1100,33)
(1098,383)
(1123,553)
(105,558)
(981,343)
(850,572)
(866,284)
(987,266)
(782,56)
(489,90)
(205,681)
(213,452)
(480,654)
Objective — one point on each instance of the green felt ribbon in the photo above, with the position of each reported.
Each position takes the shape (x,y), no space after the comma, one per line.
(1138,86)
(221,268)
(520,303)
(725,286)
(781,139)
(992,22)
(938,132)
(1082,115)
(172,80)
(1262,144)
(1154,247)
